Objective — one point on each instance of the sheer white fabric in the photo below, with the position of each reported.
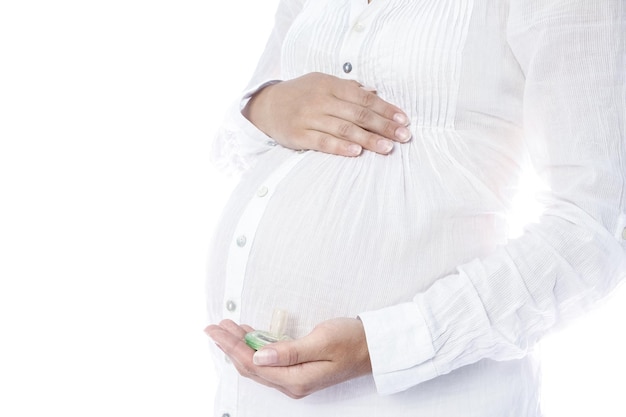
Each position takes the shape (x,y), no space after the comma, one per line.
(415,243)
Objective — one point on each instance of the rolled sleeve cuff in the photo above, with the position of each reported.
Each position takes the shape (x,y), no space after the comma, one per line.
(398,340)
(239,142)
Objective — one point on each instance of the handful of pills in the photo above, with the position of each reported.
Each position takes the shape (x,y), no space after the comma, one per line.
(259,338)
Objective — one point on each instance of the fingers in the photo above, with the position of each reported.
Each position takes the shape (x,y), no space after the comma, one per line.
(233,328)
(357,116)
(328,114)
(353,92)
(247,328)
(335,135)
(228,336)
(372,121)
(292,352)
(325,142)
(364,97)
(333,352)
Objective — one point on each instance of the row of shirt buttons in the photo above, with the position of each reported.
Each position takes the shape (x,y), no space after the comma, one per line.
(241,242)
(239,251)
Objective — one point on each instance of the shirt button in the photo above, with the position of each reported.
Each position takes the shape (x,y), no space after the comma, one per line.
(347,67)
(270,143)
(262,192)
(231,306)
(227,359)
(624,233)
(241,241)
(225,415)
(359,27)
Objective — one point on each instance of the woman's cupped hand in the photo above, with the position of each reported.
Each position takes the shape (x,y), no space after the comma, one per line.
(334,352)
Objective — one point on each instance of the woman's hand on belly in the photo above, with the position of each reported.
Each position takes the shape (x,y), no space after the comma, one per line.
(328,114)
(335,351)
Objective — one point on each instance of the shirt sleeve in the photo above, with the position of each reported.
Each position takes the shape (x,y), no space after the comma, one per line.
(572,54)
(238,142)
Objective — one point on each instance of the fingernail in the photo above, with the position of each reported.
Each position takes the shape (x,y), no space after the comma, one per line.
(384,146)
(355,149)
(403,134)
(401,118)
(265,357)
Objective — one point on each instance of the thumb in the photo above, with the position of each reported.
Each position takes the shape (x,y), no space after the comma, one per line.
(289,352)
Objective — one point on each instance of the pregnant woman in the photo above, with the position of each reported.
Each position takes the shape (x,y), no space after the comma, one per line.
(381,145)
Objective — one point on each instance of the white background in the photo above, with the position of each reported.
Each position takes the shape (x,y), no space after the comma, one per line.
(107,201)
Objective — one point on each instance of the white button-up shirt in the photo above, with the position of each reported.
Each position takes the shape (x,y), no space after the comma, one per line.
(415,243)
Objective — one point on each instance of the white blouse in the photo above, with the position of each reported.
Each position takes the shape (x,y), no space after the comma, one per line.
(415,243)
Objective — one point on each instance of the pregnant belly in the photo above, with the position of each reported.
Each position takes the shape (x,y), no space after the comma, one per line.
(338,236)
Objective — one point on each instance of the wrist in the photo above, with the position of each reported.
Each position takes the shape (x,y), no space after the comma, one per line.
(257,109)
(362,352)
